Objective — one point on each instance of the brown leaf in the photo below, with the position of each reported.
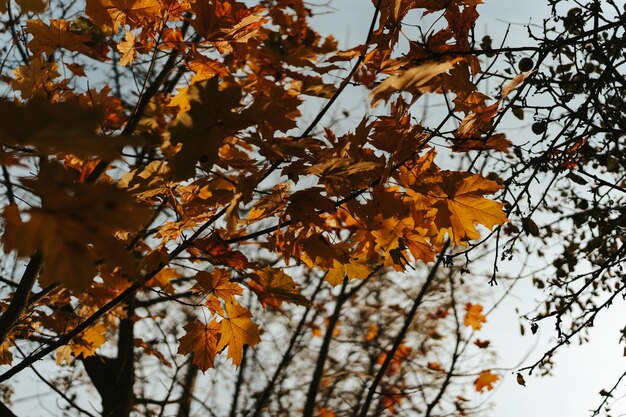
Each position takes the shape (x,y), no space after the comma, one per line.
(201,340)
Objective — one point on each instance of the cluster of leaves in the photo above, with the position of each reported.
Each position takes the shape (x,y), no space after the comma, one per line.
(192,176)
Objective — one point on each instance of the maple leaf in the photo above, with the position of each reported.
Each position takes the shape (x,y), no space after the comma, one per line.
(237,330)
(127,49)
(474,317)
(35,78)
(216,284)
(201,130)
(219,253)
(305,204)
(412,78)
(59,127)
(76,69)
(34,6)
(47,38)
(6,357)
(91,339)
(163,278)
(115,13)
(71,240)
(461,205)
(485,380)
(273,287)
(354,269)
(201,341)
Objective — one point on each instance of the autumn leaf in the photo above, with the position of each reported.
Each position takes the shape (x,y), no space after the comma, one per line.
(273,287)
(34,78)
(59,128)
(89,340)
(201,131)
(237,330)
(461,205)
(412,78)
(354,269)
(514,83)
(216,284)
(435,366)
(201,341)
(485,380)
(47,38)
(34,6)
(115,13)
(76,69)
(127,49)
(474,317)
(71,241)
(6,357)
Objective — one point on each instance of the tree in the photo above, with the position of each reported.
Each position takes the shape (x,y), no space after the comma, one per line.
(172,195)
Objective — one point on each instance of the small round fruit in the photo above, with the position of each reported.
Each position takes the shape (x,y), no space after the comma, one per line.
(538,128)
(525,64)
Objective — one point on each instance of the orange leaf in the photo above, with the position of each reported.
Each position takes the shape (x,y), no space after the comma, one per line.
(91,339)
(58,35)
(461,205)
(217,283)
(485,380)
(474,316)
(201,340)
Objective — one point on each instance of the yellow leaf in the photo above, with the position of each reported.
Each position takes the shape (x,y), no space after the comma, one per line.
(87,342)
(115,13)
(237,330)
(181,100)
(63,355)
(474,317)
(127,49)
(461,205)
(355,269)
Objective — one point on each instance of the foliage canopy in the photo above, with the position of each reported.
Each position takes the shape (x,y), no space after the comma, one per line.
(177,180)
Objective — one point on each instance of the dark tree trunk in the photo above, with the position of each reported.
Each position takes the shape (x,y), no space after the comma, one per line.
(114,378)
